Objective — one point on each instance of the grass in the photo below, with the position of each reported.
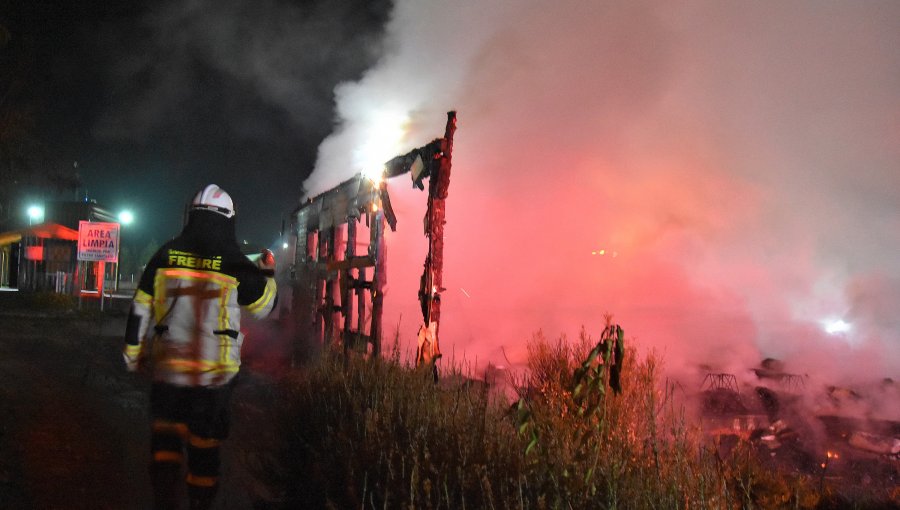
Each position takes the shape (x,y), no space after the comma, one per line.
(351,433)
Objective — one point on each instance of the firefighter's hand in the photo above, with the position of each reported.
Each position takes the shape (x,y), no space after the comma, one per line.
(266,262)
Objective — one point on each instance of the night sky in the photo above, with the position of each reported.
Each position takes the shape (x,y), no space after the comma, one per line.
(721,177)
(153,100)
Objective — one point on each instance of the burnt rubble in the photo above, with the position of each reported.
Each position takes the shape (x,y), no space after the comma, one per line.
(845,433)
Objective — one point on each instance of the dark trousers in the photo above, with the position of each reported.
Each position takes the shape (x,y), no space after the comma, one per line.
(188,422)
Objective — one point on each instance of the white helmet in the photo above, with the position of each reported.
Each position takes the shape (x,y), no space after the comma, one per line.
(215,199)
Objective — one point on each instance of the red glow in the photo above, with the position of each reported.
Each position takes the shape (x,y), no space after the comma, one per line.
(750,192)
(35,253)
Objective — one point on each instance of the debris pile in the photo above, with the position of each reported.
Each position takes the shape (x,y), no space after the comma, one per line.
(852,433)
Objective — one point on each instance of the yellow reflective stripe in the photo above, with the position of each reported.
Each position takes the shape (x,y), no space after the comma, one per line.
(224,324)
(226,282)
(263,301)
(196,274)
(132,351)
(191,366)
(204,442)
(170,427)
(159,291)
(201,481)
(163,456)
(142,298)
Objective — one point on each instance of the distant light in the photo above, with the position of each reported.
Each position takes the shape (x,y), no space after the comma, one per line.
(36,212)
(126,217)
(284,246)
(836,326)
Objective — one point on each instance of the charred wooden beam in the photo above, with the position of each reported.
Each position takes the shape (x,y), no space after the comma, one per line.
(431,282)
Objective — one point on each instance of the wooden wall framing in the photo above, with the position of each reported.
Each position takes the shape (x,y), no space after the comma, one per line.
(337,288)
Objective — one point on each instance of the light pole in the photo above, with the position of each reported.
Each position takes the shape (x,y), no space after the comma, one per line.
(126,217)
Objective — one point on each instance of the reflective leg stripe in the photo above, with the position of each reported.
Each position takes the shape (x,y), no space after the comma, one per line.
(202,481)
(167,441)
(203,461)
(167,456)
(204,442)
(162,427)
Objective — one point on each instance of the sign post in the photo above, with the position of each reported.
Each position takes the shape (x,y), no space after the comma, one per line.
(98,242)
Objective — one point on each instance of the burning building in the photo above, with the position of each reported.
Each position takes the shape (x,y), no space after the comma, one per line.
(337,289)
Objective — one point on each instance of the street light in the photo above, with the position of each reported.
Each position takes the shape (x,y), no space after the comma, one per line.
(35,214)
(125,218)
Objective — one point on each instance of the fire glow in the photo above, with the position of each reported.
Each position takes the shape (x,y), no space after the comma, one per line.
(677,151)
(384,137)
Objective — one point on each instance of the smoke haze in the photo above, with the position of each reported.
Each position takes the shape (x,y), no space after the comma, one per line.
(221,91)
(724,178)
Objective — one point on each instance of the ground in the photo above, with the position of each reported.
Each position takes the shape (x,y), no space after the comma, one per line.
(74,432)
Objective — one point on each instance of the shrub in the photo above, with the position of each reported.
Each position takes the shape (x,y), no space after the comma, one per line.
(377,433)
(355,433)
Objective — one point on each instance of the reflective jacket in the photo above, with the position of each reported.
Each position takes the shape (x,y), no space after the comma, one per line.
(185,319)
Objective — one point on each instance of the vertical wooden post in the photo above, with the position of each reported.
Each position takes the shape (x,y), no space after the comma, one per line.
(328,308)
(347,287)
(379,277)
(432,278)
(361,290)
(319,275)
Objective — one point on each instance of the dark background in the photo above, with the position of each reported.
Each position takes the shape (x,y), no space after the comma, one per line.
(138,104)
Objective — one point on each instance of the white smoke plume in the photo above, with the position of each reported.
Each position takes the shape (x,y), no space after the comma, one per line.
(722,177)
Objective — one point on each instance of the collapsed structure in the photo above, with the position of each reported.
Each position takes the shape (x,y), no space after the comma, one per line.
(338,288)
(853,434)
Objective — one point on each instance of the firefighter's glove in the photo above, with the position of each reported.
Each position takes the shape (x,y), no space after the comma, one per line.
(133,357)
(266,262)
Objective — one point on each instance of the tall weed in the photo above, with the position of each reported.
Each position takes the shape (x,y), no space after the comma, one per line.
(357,433)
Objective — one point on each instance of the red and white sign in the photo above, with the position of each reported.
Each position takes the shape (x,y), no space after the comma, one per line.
(98,241)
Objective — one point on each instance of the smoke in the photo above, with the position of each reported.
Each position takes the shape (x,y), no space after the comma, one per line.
(280,53)
(229,92)
(722,177)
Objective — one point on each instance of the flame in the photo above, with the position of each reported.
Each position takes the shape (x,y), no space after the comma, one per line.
(384,134)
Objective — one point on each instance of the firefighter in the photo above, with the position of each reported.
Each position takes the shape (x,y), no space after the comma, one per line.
(184,330)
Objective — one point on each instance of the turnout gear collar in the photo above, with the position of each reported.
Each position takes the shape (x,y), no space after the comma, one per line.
(207,231)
